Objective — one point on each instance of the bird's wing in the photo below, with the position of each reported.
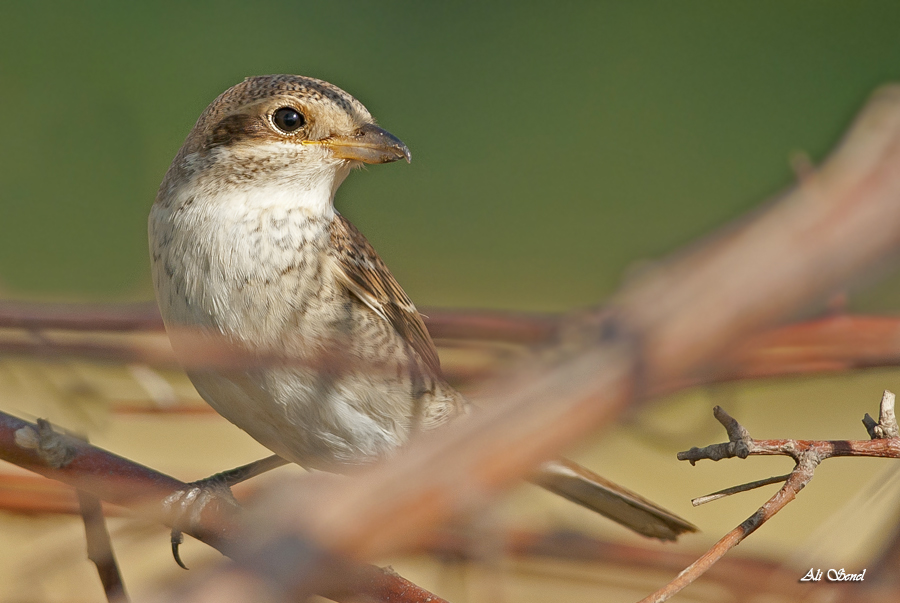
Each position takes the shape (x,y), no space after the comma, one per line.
(366,276)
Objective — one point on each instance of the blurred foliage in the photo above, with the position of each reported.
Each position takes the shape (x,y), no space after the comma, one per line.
(553,145)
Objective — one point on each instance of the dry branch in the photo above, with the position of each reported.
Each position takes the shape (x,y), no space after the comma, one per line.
(796,481)
(807,454)
(127,484)
(99,547)
(831,344)
(675,323)
(143,316)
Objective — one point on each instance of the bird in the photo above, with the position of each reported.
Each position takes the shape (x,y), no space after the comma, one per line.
(249,253)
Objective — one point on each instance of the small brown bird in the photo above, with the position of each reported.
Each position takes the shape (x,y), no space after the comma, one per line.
(247,249)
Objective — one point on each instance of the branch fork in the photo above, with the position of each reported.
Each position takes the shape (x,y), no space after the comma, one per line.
(808,454)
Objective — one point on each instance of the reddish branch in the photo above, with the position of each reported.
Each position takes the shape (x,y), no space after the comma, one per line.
(40,495)
(143,316)
(806,453)
(832,344)
(738,576)
(835,343)
(122,482)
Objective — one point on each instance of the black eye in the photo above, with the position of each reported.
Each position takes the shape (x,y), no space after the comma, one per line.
(288,119)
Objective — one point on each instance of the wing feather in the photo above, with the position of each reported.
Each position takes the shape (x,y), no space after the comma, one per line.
(367,277)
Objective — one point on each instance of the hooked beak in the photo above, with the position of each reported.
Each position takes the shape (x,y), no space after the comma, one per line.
(369,144)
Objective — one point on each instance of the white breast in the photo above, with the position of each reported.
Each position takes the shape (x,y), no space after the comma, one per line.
(234,257)
(251,263)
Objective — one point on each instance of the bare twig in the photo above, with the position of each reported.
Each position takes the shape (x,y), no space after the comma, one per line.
(835,343)
(796,481)
(807,454)
(513,327)
(80,317)
(744,446)
(702,500)
(99,547)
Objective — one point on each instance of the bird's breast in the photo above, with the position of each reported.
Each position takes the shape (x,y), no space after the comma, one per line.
(254,273)
(264,279)
(345,386)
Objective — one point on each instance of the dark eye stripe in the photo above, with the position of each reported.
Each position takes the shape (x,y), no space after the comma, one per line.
(234,128)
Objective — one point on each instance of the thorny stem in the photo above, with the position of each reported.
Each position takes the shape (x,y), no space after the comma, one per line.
(807,453)
(799,477)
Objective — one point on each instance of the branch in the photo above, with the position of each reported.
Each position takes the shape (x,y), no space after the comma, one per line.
(825,345)
(513,327)
(835,343)
(807,454)
(99,547)
(741,445)
(101,474)
(796,481)
(142,316)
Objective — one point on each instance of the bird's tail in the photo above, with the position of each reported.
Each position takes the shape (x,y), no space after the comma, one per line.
(582,486)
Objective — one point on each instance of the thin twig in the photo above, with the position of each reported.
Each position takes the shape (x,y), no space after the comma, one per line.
(99,547)
(797,480)
(807,454)
(702,500)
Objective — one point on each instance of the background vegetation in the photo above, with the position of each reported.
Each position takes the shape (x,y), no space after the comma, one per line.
(553,145)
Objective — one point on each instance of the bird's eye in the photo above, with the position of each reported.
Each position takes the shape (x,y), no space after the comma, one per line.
(288,119)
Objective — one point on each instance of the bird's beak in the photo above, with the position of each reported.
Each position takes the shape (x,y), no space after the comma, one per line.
(369,144)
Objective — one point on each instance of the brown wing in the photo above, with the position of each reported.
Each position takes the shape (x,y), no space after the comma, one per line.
(366,276)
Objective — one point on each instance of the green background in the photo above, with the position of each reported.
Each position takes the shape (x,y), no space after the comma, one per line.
(554,144)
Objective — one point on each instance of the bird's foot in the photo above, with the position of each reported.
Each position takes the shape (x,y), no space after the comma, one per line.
(187,504)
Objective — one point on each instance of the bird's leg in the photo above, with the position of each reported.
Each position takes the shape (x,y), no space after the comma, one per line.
(240,474)
(192,499)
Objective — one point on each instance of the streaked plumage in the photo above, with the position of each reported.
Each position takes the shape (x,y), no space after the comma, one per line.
(247,248)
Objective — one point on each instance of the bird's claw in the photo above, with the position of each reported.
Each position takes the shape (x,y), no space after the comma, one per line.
(177,539)
(186,506)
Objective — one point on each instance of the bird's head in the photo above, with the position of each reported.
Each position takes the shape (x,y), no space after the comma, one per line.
(280,130)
